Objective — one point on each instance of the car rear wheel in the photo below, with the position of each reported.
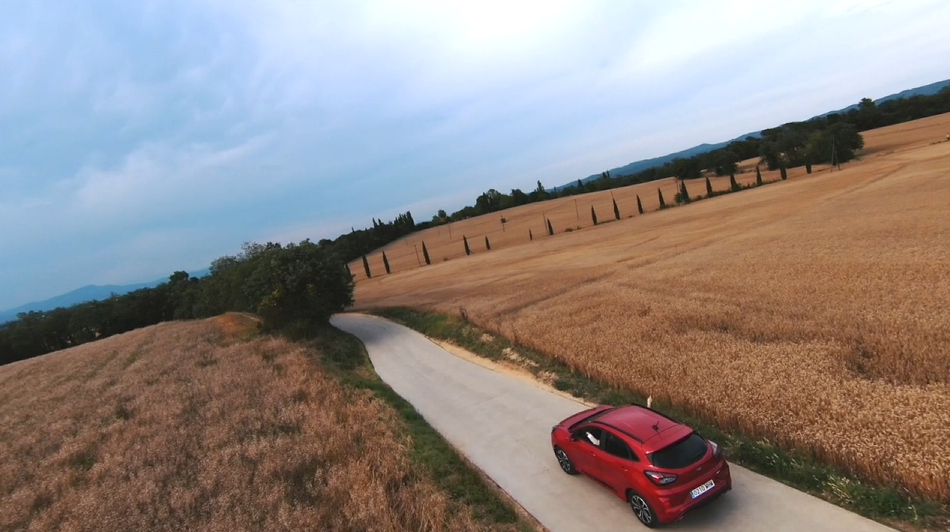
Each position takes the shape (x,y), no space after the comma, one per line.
(641,508)
(564,461)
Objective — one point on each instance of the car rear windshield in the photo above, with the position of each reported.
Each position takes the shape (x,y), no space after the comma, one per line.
(680,454)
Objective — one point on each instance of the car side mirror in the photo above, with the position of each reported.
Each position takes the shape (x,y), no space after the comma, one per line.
(573,437)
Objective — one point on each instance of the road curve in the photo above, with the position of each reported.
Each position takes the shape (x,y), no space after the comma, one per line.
(503,423)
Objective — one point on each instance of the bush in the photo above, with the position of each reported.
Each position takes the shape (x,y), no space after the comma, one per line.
(298,284)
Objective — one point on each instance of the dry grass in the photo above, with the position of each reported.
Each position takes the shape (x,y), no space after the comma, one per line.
(181,426)
(813,312)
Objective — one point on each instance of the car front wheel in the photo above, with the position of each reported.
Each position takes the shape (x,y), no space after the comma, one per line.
(641,508)
(564,461)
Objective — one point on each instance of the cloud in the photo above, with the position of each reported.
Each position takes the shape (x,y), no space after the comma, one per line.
(141,137)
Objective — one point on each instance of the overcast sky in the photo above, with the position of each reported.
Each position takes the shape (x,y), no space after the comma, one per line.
(142,137)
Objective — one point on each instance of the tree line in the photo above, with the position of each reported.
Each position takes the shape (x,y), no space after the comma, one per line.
(294,287)
(830,139)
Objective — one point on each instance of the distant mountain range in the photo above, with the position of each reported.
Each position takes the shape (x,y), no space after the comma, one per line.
(639,166)
(90,292)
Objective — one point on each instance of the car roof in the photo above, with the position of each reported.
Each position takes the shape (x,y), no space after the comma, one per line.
(638,421)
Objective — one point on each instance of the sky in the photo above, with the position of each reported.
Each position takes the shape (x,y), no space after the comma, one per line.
(140,138)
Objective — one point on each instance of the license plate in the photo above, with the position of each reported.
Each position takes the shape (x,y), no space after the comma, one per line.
(702,489)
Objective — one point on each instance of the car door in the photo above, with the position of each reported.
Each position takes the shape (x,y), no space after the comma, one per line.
(587,441)
(617,462)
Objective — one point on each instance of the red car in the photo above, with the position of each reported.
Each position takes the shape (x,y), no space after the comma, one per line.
(660,466)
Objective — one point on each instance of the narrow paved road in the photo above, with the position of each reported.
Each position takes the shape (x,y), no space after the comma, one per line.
(503,423)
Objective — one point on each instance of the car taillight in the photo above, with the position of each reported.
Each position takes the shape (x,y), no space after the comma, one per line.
(715,448)
(660,479)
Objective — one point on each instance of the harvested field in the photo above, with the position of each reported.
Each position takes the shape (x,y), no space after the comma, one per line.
(813,312)
(195,426)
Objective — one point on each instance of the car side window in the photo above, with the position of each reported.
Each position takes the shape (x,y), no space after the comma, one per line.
(617,447)
(592,435)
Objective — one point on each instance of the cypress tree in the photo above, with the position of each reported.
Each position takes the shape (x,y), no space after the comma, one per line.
(487,243)
(807,168)
(530,235)
(758,176)
(662,203)
(733,186)
(386,263)
(465,241)
(616,211)
(366,268)
(550,229)
(639,205)
(593,215)
(425,253)
(709,190)
(783,172)
(684,194)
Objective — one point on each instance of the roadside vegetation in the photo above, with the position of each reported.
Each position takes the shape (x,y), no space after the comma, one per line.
(889,504)
(210,425)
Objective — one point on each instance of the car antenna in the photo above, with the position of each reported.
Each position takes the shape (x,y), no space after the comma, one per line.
(656,426)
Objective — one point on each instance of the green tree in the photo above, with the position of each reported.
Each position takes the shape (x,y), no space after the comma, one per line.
(616,210)
(519,198)
(490,201)
(550,228)
(386,263)
(530,235)
(366,268)
(593,215)
(465,242)
(682,196)
(487,243)
(723,161)
(783,172)
(639,205)
(660,194)
(733,186)
(758,176)
(709,190)
(425,253)
(301,285)
(840,140)
(686,168)
(539,194)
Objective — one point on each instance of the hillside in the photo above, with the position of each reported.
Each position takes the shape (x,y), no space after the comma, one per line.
(811,312)
(205,426)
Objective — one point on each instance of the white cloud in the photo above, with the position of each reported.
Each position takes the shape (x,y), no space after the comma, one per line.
(131,130)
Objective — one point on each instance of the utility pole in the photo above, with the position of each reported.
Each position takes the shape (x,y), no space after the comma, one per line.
(417,254)
(576,213)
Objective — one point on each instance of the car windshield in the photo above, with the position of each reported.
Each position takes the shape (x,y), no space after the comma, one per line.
(680,454)
(590,418)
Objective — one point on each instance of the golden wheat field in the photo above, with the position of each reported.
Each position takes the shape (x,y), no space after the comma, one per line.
(194,426)
(813,312)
